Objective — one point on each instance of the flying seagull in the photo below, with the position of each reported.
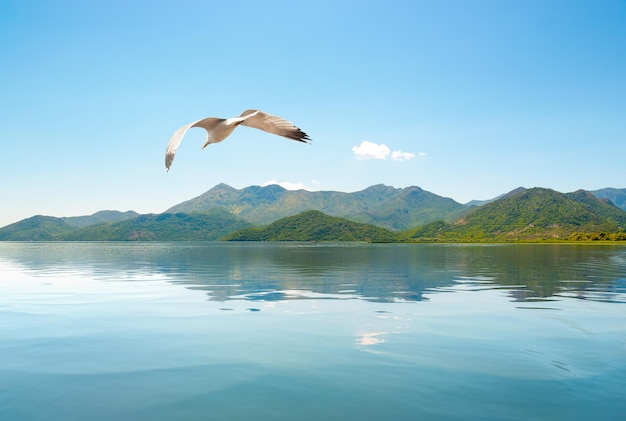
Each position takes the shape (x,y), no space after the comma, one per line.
(219,129)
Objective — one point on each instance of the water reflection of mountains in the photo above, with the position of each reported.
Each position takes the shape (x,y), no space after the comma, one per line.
(377,272)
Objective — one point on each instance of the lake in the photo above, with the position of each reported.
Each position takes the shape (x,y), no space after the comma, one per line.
(299,331)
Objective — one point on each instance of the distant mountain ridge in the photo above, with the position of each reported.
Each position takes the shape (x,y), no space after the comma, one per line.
(616,196)
(484,202)
(392,208)
(100,217)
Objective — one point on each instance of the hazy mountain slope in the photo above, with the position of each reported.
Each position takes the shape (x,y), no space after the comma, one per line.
(484,202)
(99,218)
(617,196)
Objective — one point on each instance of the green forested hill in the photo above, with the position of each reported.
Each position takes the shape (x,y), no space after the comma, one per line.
(529,215)
(36,228)
(207,226)
(314,226)
(385,206)
(616,196)
(49,228)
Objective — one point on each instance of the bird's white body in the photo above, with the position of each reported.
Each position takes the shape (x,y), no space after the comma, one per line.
(219,129)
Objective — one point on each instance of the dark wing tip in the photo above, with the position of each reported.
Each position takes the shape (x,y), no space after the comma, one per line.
(303,137)
(299,135)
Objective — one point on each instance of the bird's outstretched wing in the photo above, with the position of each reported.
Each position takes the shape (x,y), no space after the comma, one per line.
(172,145)
(206,123)
(275,125)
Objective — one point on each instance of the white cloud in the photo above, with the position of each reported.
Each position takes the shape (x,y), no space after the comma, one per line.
(402,156)
(370,150)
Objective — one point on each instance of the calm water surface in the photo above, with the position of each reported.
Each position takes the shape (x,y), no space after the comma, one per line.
(114,331)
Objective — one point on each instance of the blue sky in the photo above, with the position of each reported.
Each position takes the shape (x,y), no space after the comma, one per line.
(466,99)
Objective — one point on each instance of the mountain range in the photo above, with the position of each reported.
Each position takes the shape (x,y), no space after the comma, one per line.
(378,213)
(388,207)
